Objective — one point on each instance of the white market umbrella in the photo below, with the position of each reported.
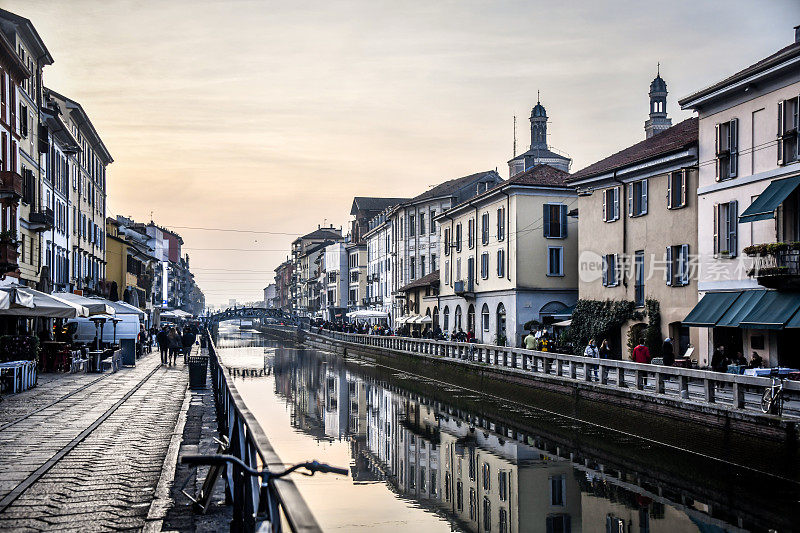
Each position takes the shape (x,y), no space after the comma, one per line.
(96,306)
(123,308)
(42,305)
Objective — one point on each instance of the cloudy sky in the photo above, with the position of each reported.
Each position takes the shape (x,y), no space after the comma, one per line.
(267,116)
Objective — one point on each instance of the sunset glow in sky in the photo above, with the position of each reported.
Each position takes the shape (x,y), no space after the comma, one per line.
(270,116)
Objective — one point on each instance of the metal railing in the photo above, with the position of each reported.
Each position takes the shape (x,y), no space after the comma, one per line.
(255,507)
(732,391)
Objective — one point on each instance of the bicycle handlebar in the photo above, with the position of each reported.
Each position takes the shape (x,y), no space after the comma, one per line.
(218,459)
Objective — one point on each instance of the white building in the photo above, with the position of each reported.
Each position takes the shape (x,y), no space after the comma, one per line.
(335,282)
(749,203)
(379,280)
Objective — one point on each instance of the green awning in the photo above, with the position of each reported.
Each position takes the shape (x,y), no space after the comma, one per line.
(710,309)
(773,311)
(768,201)
(794,322)
(743,306)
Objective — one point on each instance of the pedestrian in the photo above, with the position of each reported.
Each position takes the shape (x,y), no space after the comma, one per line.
(187,341)
(175,345)
(530,341)
(641,354)
(718,360)
(162,338)
(668,352)
(605,350)
(592,351)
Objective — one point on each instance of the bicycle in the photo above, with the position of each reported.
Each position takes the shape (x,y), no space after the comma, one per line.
(218,461)
(773,398)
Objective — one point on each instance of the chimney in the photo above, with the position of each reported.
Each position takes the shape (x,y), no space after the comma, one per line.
(797,34)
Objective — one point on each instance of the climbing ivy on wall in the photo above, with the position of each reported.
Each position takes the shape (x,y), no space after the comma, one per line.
(598,319)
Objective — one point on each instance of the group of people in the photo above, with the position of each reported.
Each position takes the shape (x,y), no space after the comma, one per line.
(172,342)
(720,360)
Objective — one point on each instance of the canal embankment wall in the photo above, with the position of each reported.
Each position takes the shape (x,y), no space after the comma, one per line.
(622,401)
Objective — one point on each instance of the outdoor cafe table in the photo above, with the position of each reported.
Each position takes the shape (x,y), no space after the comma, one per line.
(95,356)
(23,374)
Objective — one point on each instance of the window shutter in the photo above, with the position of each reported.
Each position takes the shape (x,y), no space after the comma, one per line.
(780,133)
(614,273)
(644,197)
(563,210)
(546,219)
(605,270)
(684,180)
(716,228)
(616,202)
(733,145)
(669,265)
(797,126)
(669,190)
(717,143)
(605,206)
(684,264)
(630,199)
(733,228)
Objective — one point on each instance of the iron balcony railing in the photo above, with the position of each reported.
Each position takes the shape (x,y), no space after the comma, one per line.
(255,508)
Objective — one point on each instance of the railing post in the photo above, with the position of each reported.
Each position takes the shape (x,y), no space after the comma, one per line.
(559,368)
(587,371)
(710,388)
(621,377)
(603,374)
(573,370)
(683,383)
(659,383)
(738,395)
(640,376)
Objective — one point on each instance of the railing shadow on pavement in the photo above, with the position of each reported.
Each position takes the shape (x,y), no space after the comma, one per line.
(255,507)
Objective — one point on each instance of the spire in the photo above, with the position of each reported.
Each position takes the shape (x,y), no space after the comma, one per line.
(658,120)
(538,125)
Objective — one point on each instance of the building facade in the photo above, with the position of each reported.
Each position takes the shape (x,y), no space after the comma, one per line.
(306,251)
(510,257)
(749,211)
(379,280)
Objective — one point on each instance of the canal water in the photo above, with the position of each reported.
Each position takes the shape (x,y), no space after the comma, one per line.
(426,456)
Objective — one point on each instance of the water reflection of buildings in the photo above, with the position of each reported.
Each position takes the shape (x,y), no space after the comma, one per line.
(478,476)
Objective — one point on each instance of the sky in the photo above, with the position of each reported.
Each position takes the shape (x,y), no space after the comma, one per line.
(261,116)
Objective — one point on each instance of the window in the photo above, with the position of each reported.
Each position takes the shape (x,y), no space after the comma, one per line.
(487,514)
(559,523)
(447,241)
(412,228)
(501,263)
(788,145)
(458,237)
(422,223)
(501,224)
(555,221)
(611,204)
(433,223)
(433,262)
(485,265)
(727,149)
(726,224)
(502,485)
(502,523)
(23,120)
(473,511)
(555,261)
(485,228)
(638,293)
(471,233)
(458,269)
(487,477)
(676,189)
(677,265)
(637,198)
(423,476)
(459,493)
(610,270)
(412,268)
(446,320)
(422,266)
(485,317)
(557,491)
(447,272)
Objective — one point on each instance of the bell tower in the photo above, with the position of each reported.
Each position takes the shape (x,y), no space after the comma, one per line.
(538,126)
(658,120)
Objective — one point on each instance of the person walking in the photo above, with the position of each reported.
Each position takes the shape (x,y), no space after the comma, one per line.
(530,341)
(668,352)
(175,345)
(605,350)
(163,344)
(188,341)
(641,354)
(592,351)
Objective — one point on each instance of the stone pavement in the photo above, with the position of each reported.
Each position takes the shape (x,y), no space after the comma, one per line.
(90,461)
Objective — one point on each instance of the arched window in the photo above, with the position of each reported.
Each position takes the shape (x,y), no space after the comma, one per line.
(485,317)
(501,324)
(446,318)
(435,317)
(457,325)
(471,318)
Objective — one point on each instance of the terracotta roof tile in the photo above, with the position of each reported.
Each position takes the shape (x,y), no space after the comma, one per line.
(430,279)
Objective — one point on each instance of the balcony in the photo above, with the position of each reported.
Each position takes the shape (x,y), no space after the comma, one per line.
(464,288)
(8,256)
(42,220)
(10,184)
(775,265)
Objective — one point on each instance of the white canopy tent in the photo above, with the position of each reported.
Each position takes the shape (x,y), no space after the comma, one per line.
(123,308)
(38,304)
(367,313)
(96,306)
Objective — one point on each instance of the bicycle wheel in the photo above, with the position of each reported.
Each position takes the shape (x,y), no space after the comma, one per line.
(767,401)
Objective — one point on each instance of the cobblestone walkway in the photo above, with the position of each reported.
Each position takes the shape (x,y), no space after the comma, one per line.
(90,461)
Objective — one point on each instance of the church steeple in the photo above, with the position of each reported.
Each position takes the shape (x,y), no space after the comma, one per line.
(658,120)
(538,125)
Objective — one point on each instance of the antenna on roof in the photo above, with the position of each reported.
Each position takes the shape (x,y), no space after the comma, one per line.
(515,135)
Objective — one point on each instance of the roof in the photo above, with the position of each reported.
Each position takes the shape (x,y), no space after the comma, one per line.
(30,30)
(424,281)
(781,55)
(321,233)
(370,203)
(541,175)
(672,139)
(540,153)
(71,104)
(449,188)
